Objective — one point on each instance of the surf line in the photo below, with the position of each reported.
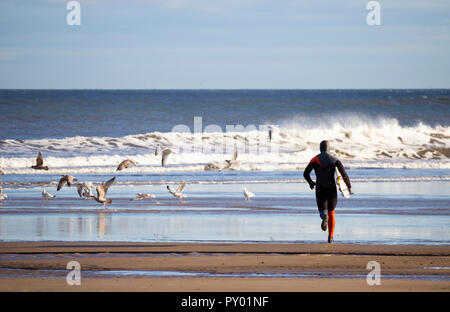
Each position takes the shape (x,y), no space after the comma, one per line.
(200,302)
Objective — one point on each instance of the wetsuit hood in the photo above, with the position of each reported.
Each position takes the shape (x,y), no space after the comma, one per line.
(324,146)
(324,157)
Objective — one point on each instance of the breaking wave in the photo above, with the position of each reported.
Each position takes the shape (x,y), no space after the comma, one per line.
(361,142)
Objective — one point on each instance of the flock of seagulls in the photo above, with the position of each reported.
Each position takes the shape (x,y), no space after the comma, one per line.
(123,165)
(84,189)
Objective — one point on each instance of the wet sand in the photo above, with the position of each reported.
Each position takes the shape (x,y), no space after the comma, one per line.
(41,266)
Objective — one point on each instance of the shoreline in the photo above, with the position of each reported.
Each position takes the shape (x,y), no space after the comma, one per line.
(326,262)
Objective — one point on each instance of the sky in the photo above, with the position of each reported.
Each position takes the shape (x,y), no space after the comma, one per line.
(219,44)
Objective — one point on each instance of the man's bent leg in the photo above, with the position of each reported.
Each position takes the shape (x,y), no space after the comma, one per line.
(325,220)
(322,205)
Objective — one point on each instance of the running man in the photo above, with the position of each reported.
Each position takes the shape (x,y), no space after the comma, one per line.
(324,166)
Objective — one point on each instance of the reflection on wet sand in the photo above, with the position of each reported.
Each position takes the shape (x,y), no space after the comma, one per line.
(101,224)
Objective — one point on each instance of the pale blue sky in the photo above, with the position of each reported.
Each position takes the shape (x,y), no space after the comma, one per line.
(218,44)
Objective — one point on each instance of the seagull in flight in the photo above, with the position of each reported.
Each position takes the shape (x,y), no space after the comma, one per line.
(125,164)
(40,163)
(84,190)
(66,179)
(165,153)
(178,193)
(102,189)
(233,161)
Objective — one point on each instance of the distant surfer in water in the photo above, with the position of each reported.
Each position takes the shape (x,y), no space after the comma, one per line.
(324,166)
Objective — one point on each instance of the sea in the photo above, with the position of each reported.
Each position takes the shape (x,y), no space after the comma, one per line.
(394,145)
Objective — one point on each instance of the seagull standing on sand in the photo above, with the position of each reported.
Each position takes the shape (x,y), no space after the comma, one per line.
(66,179)
(101,192)
(40,163)
(84,190)
(125,164)
(178,193)
(247,194)
(47,195)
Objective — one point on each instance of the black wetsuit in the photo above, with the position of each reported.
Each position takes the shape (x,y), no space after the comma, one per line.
(324,166)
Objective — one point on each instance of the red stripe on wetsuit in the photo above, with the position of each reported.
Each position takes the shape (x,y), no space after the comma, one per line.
(316,160)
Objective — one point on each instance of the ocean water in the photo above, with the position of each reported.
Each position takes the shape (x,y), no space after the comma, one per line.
(88,131)
(393,143)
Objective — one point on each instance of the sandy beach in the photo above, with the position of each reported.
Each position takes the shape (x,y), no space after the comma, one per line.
(200,267)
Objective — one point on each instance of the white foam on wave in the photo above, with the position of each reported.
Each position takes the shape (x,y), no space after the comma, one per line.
(360,141)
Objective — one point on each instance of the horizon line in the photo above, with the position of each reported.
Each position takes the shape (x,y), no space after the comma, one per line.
(218,89)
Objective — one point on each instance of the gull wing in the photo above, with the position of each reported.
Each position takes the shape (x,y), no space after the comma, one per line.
(103,188)
(121,166)
(101,194)
(165,153)
(84,187)
(39,160)
(80,189)
(171,190)
(61,182)
(125,164)
(235,156)
(107,184)
(228,165)
(181,187)
(70,180)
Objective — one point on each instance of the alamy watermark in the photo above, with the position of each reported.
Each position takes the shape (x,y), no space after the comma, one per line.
(374,16)
(374,276)
(253,139)
(73,18)
(74,275)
